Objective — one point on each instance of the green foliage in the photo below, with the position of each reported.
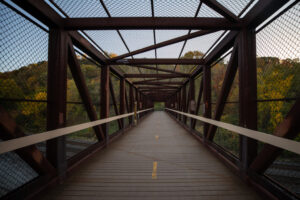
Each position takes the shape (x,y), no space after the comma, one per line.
(276,79)
(159,106)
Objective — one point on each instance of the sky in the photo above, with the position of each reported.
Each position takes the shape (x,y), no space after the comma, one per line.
(22,42)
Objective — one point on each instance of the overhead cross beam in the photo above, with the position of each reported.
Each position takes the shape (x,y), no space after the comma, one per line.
(219,8)
(157,83)
(158,69)
(160,61)
(155,76)
(158,87)
(165,43)
(146,23)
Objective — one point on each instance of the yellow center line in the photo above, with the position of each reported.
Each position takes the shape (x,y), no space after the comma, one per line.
(154,174)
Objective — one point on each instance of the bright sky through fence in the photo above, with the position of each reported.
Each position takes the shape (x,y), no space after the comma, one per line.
(23,43)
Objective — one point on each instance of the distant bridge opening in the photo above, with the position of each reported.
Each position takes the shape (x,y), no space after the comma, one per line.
(159,106)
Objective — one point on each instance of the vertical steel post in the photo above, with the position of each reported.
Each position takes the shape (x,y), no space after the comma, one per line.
(247,94)
(206,96)
(104,107)
(56,97)
(122,100)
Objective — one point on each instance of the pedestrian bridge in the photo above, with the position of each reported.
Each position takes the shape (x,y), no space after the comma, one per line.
(152,99)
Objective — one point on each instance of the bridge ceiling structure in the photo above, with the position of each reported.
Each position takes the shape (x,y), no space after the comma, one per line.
(152,37)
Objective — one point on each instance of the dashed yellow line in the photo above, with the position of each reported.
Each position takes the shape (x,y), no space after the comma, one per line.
(154,170)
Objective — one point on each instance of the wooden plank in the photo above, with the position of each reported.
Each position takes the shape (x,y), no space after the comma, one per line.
(83,90)
(288,128)
(30,154)
(56,98)
(186,170)
(226,86)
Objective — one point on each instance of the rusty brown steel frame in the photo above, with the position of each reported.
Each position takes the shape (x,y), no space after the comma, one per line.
(241,36)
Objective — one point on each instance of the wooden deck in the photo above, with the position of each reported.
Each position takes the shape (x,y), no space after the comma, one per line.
(156,160)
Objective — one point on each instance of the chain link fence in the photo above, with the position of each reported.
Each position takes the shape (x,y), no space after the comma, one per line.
(23,88)
(278,87)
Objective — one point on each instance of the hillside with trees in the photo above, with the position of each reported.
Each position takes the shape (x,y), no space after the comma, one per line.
(277,79)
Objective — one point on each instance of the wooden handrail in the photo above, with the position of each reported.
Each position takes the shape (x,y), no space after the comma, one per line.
(279,142)
(13,144)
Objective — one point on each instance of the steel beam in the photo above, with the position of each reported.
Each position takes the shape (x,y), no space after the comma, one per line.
(30,154)
(288,128)
(122,99)
(198,102)
(219,8)
(135,23)
(158,83)
(154,80)
(104,105)
(226,86)
(114,101)
(83,90)
(165,43)
(206,97)
(157,69)
(154,76)
(160,61)
(56,98)
(247,94)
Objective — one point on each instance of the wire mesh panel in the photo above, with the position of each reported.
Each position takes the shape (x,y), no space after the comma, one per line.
(23,88)
(206,11)
(202,43)
(109,41)
(137,39)
(129,8)
(278,86)
(23,70)
(226,139)
(76,112)
(14,173)
(78,8)
(114,125)
(235,6)
(175,8)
